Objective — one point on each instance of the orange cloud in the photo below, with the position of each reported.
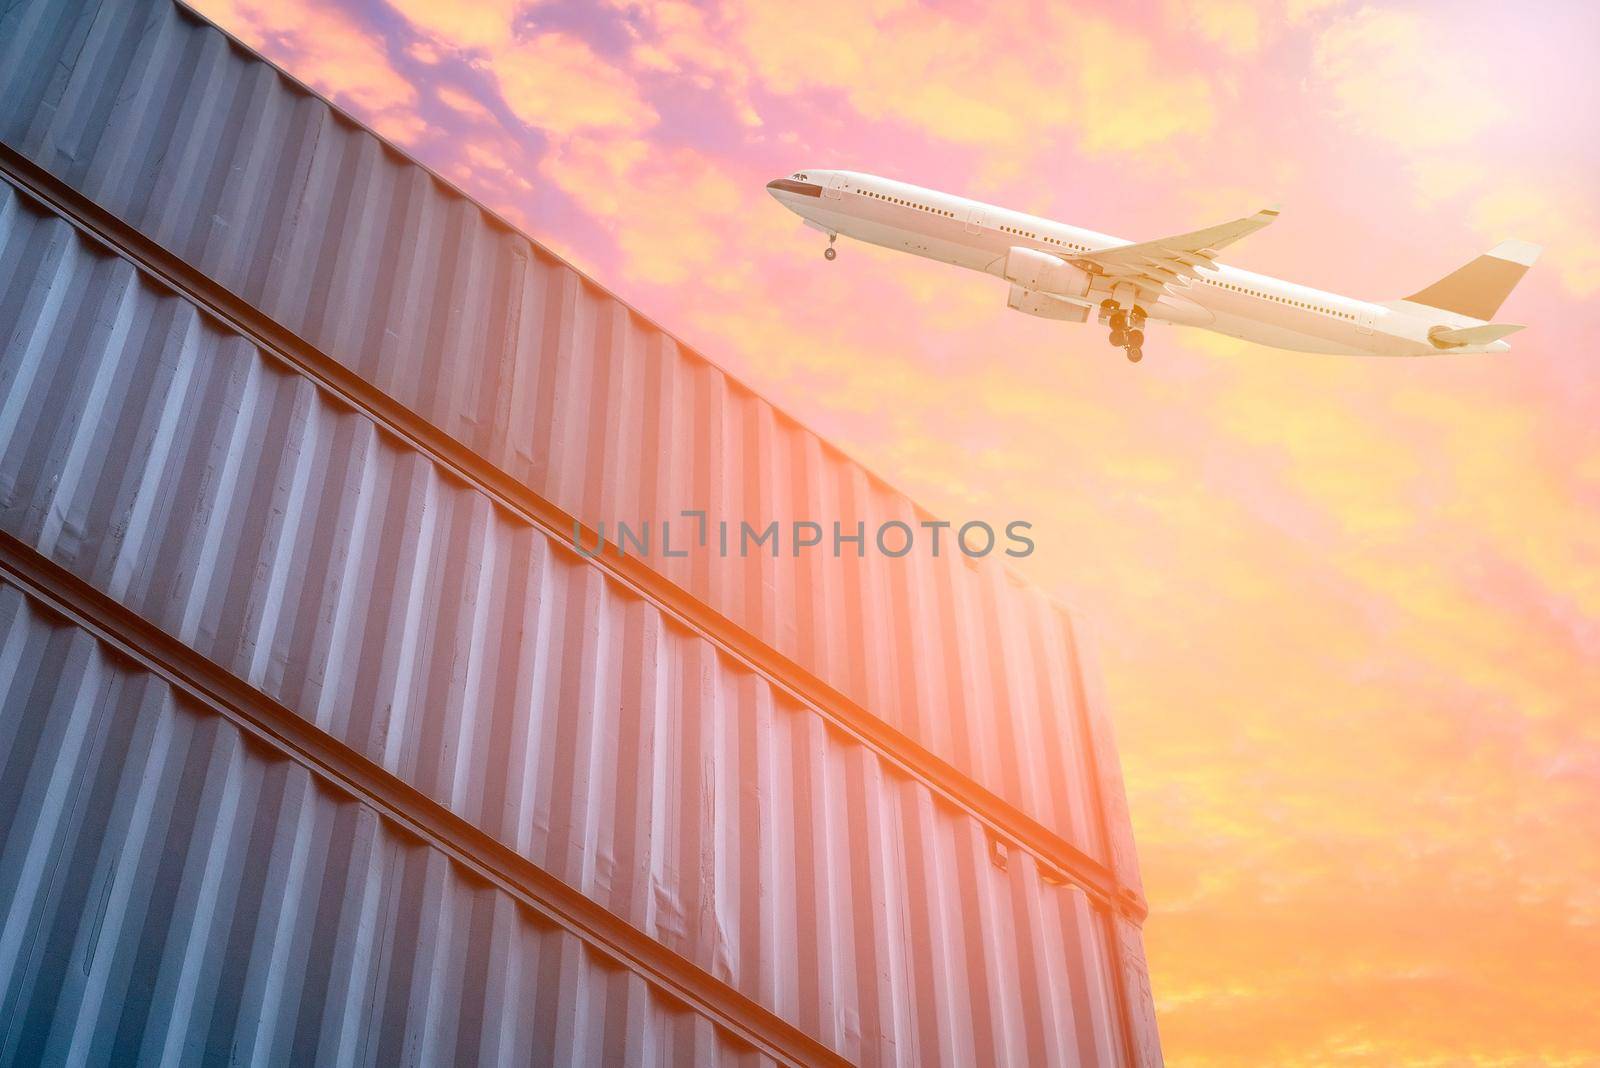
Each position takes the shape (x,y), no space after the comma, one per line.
(666,208)
(690,41)
(1233,24)
(463,102)
(1384,74)
(556,83)
(552,81)
(463,24)
(329,51)
(1005,79)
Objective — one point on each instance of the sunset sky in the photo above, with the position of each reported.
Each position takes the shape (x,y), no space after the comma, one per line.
(1349,609)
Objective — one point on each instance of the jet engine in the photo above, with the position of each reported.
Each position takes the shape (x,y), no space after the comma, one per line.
(1042,272)
(1046,306)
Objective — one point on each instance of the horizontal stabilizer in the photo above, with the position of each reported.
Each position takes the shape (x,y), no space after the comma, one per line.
(1486,334)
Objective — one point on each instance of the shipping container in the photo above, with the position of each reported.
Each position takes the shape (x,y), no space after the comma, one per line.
(295,403)
(173,891)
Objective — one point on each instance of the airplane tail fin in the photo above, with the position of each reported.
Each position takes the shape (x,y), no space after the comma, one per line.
(1478,289)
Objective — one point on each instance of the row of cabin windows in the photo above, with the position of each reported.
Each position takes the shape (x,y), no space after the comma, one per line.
(908,203)
(1046,238)
(1082,248)
(1066,244)
(952,215)
(1284,300)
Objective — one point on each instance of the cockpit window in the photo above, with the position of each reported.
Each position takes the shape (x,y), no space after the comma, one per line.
(800,175)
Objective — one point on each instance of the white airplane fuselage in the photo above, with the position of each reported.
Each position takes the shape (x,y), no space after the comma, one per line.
(1226,300)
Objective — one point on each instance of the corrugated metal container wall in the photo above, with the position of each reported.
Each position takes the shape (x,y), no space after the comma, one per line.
(334,558)
(173,467)
(182,896)
(315,222)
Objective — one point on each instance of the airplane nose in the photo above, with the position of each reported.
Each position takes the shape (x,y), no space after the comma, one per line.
(789,185)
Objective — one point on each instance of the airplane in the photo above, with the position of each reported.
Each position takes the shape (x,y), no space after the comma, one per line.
(1066,273)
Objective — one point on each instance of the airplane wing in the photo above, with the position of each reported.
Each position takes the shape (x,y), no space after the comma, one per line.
(1154,264)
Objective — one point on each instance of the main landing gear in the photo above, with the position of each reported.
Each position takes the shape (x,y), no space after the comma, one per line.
(1127,328)
(830,252)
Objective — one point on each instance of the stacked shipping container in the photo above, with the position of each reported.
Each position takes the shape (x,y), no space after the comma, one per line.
(297,404)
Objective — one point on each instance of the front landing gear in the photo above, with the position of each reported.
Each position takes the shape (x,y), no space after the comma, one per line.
(830,253)
(1127,328)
